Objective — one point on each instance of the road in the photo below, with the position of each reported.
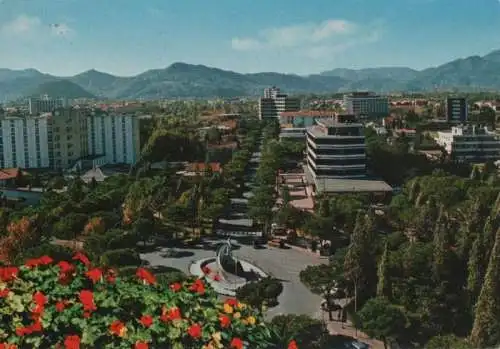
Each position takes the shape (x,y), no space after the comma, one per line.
(282,264)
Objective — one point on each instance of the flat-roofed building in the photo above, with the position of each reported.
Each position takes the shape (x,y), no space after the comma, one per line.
(366,104)
(336,148)
(471,143)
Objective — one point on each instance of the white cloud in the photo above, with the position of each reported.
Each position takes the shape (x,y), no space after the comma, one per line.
(245,44)
(296,35)
(21,25)
(25,26)
(320,42)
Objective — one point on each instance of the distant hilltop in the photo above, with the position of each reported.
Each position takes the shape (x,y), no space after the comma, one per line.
(183,80)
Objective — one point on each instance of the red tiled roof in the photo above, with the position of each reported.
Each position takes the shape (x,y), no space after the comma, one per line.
(201,166)
(9,173)
(308,113)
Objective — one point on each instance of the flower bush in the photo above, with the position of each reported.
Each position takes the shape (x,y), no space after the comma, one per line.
(72,304)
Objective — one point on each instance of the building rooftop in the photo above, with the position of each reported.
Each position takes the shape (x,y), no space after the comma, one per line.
(309,113)
(201,166)
(10,173)
(340,185)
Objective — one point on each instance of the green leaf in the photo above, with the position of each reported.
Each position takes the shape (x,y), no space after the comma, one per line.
(174,333)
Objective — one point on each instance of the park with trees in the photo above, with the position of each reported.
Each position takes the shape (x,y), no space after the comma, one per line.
(423,272)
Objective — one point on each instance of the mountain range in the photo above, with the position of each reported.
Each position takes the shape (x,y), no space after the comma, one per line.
(183,80)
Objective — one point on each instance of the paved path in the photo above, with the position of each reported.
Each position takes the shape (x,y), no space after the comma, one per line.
(282,264)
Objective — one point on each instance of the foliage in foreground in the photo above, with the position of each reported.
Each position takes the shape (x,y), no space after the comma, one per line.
(74,305)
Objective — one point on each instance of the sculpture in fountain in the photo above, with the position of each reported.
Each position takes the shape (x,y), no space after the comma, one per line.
(225,260)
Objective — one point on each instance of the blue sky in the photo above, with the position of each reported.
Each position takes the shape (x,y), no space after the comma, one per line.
(126,37)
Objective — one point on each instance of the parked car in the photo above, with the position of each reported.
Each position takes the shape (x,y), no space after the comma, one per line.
(359,345)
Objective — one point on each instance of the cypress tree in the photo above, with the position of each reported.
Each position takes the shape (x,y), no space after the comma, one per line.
(359,262)
(476,268)
(488,238)
(384,282)
(486,329)
(440,252)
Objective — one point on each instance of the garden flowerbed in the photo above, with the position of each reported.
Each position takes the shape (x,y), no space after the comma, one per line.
(74,305)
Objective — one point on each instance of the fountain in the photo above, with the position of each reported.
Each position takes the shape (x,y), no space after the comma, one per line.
(225,272)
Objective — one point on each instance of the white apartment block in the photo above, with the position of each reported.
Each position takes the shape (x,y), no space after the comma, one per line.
(115,137)
(470,144)
(24,142)
(45,104)
(59,140)
(366,104)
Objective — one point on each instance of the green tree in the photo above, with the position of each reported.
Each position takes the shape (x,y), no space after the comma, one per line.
(307,332)
(359,263)
(476,267)
(447,342)
(380,319)
(486,329)
(143,228)
(384,281)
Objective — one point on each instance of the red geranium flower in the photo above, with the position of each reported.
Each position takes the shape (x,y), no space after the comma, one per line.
(60,305)
(35,327)
(195,331)
(40,301)
(82,258)
(95,275)
(72,342)
(198,286)
(66,267)
(232,302)
(146,320)
(171,314)
(66,272)
(141,345)
(118,328)
(7,346)
(206,270)
(8,273)
(35,262)
(87,299)
(176,287)
(236,343)
(3,294)
(293,345)
(146,276)
(225,321)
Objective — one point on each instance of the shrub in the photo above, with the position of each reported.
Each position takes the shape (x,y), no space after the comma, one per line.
(97,244)
(73,305)
(262,292)
(58,253)
(308,332)
(119,258)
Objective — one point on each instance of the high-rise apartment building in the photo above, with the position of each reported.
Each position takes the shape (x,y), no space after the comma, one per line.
(116,137)
(336,148)
(68,138)
(456,110)
(366,104)
(24,142)
(274,102)
(45,104)
(60,139)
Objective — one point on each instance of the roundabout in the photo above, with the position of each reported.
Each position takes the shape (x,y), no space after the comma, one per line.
(282,264)
(224,272)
